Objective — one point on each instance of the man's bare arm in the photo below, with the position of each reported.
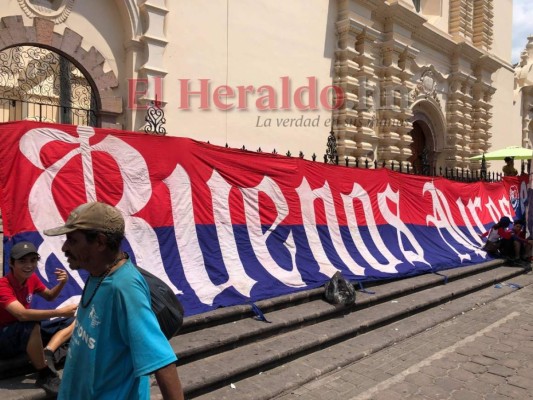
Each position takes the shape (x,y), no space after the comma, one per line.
(169,382)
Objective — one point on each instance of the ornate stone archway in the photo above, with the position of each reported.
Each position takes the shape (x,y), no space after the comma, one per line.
(422,154)
(429,119)
(13,32)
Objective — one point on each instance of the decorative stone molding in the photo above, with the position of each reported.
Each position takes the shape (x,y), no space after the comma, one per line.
(426,85)
(383,84)
(523,75)
(91,62)
(153,13)
(53,10)
(483,16)
(460,22)
(132,11)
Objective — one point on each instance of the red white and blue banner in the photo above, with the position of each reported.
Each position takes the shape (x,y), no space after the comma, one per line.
(224,226)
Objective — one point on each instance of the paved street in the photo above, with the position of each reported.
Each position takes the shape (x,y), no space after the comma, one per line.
(486,353)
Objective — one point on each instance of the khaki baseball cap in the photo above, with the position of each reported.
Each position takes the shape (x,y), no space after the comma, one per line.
(23,249)
(91,216)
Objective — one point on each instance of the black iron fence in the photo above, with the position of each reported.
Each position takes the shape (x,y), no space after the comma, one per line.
(456,174)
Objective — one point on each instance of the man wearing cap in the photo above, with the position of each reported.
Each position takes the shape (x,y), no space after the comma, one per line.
(117,341)
(19,325)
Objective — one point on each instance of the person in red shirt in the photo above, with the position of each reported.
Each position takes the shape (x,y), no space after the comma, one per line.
(499,237)
(19,324)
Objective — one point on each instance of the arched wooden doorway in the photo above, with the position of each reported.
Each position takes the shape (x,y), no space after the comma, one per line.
(421,148)
(428,133)
(41,85)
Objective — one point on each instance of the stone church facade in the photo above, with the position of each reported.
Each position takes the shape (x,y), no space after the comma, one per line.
(434,112)
(425,83)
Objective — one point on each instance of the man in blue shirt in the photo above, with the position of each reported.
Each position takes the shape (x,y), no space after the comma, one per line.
(117,341)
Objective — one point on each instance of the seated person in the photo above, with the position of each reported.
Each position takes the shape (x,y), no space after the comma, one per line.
(522,246)
(19,325)
(509,169)
(495,237)
(492,245)
(506,238)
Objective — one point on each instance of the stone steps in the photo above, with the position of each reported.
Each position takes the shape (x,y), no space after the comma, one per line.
(291,375)
(228,345)
(215,357)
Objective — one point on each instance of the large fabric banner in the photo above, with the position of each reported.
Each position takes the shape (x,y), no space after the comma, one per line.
(224,226)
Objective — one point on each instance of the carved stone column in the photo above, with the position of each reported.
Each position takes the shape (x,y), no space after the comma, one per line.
(455,119)
(483,16)
(365,123)
(405,114)
(479,141)
(353,123)
(461,15)
(394,112)
(463,139)
(345,70)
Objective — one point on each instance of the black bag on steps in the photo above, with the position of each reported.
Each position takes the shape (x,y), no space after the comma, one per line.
(166,307)
(339,290)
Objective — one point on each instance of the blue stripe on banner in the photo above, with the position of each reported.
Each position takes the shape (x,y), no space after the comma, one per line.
(440,252)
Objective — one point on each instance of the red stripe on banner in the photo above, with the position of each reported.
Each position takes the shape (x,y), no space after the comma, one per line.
(209,169)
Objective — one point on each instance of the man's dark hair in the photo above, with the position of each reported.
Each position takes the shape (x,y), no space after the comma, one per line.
(507,159)
(113,239)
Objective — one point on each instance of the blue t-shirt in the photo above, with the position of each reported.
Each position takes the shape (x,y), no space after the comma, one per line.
(116,342)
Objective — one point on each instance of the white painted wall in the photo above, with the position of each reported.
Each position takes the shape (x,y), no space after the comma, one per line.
(504,131)
(503,29)
(245,42)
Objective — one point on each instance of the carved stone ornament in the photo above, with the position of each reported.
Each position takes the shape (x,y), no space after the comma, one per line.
(427,83)
(55,10)
(426,86)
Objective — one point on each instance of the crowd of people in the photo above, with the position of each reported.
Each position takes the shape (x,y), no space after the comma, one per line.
(508,239)
(114,339)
